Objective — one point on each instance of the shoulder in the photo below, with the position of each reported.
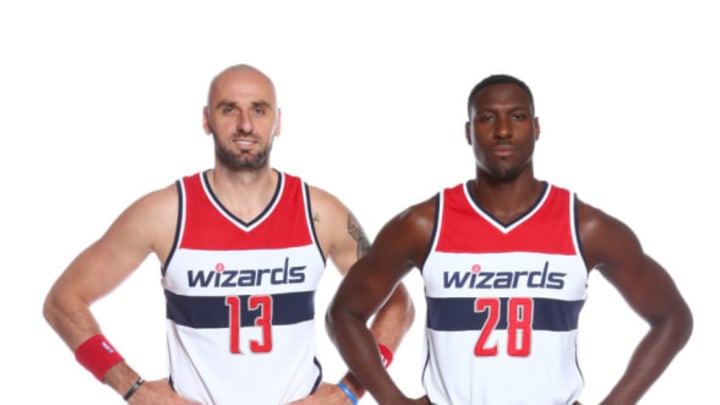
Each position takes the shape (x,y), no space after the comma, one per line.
(146,224)
(420,216)
(605,239)
(326,205)
(593,220)
(154,211)
(408,235)
(333,221)
(157,200)
(323,200)
(167,198)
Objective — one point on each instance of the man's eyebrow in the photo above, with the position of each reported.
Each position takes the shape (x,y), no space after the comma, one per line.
(228,103)
(261,103)
(505,108)
(225,103)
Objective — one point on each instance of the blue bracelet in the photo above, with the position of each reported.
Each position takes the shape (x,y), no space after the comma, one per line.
(348,392)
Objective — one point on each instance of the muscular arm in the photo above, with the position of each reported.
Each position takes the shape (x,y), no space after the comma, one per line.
(145,226)
(613,249)
(400,246)
(344,241)
(393,319)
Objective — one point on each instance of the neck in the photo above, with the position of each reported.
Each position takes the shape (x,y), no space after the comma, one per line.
(244,193)
(506,199)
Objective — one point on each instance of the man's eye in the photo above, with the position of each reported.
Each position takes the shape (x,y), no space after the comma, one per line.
(485,118)
(259,111)
(227,110)
(519,117)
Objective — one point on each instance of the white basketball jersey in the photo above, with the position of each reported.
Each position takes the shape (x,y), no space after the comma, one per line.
(240,298)
(503,302)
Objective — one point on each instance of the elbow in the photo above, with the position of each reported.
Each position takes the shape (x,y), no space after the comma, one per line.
(332,319)
(59,306)
(682,322)
(50,309)
(676,326)
(686,324)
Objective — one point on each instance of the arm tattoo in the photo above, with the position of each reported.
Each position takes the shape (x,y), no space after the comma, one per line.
(357,233)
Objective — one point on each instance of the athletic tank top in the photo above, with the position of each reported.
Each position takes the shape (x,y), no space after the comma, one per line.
(503,302)
(240,298)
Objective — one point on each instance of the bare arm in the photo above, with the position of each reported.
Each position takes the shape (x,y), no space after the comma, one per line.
(393,319)
(144,227)
(400,246)
(613,249)
(343,240)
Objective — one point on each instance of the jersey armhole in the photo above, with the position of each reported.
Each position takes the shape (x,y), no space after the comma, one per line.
(178,226)
(436,228)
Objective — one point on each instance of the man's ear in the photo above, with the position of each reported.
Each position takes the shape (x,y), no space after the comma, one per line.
(206,124)
(279,122)
(467,133)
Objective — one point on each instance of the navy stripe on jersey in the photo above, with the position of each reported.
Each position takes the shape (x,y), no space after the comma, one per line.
(458,314)
(212,312)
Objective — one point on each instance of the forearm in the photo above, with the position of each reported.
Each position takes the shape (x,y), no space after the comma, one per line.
(388,328)
(71,318)
(650,359)
(359,350)
(73,321)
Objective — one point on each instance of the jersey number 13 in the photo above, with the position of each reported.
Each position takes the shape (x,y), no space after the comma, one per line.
(264,321)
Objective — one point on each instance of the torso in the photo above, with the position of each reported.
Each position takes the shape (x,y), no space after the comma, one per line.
(240,298)
(503,301)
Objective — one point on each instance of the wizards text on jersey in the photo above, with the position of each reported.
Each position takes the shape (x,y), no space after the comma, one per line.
(505,279)
(285,274)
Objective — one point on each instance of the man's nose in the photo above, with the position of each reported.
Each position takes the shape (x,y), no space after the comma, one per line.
(244,123)
(503,128)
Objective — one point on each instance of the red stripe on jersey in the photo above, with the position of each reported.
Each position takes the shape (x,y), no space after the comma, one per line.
(207,228)
(546,229)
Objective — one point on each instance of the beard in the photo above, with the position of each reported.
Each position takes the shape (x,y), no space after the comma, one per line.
(501,172)
(242,162)
(504,173)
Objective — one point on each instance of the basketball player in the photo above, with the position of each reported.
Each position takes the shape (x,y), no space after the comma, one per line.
(242,248)
(505,259)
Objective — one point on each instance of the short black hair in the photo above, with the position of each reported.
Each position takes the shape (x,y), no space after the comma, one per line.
(498,79)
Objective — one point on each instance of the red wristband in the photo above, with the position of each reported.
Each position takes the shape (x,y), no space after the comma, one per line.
(97,355)
(386,354)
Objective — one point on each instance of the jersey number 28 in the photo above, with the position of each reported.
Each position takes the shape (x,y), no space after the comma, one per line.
(519,325)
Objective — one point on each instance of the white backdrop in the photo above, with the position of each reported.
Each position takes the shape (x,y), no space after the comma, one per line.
(101,103)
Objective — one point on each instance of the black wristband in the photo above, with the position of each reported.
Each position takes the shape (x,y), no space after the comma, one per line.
(134,388)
